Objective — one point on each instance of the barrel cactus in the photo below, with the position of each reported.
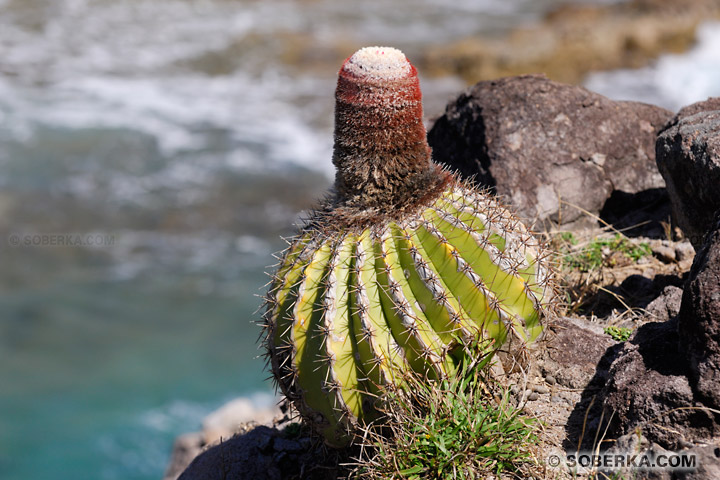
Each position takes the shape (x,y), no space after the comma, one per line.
(401,268)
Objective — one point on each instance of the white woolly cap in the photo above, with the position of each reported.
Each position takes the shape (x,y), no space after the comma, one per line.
(381,63)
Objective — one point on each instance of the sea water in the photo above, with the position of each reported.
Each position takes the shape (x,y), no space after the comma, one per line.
(152,154)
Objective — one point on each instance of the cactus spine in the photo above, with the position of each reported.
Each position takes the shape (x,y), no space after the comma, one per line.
(401,268)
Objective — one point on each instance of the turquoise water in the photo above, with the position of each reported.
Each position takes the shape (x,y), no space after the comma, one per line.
(100,372)
(109,351)
(94,371)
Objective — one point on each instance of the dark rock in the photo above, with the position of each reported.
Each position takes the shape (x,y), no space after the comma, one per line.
(553,150)
(666,306)
(665,381)
(646,381)
(239,457)
(699,324)
(262,453)
(574,349)
(291,446)
(645,388)
(688,157)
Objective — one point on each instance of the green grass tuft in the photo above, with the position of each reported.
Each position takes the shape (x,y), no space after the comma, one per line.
(449,429)
(293,430)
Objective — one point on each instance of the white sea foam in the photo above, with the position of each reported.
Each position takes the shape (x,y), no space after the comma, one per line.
(177,413)
(178,112)
(673,81)
(121,66)
(127,65)
(182,416)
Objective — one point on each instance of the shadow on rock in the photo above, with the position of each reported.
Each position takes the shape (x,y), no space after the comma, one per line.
(640,214)
(636,291)
(268,454)
(641,384)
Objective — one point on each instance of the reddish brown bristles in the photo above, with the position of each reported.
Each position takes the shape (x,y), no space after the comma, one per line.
(381,152)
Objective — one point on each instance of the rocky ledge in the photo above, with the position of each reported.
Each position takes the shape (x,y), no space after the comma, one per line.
(556,152)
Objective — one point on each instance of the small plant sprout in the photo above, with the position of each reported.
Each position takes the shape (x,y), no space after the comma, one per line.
(621,334)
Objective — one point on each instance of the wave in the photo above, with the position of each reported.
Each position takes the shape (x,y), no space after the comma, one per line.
(182,415)
(141,448)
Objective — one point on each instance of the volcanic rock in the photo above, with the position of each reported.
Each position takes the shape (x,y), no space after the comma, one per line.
(688,157)
(263,452)
(555,151)
(665,381)
(666,306)
(699,321)
(648,383)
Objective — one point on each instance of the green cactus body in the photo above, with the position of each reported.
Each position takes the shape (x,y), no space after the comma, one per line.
(385,279)
(353,310)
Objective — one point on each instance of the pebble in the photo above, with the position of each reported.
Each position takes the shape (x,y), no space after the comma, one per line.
(684,251)
(533,396)
(541,389)
(550,380)
(665,254)
(556,399)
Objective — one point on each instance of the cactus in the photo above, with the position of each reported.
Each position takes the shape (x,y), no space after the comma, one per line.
(401,268)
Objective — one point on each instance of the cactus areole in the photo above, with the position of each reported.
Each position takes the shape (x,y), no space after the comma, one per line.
(402,268)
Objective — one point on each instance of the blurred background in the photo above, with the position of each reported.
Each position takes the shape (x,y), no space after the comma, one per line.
(173,142)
